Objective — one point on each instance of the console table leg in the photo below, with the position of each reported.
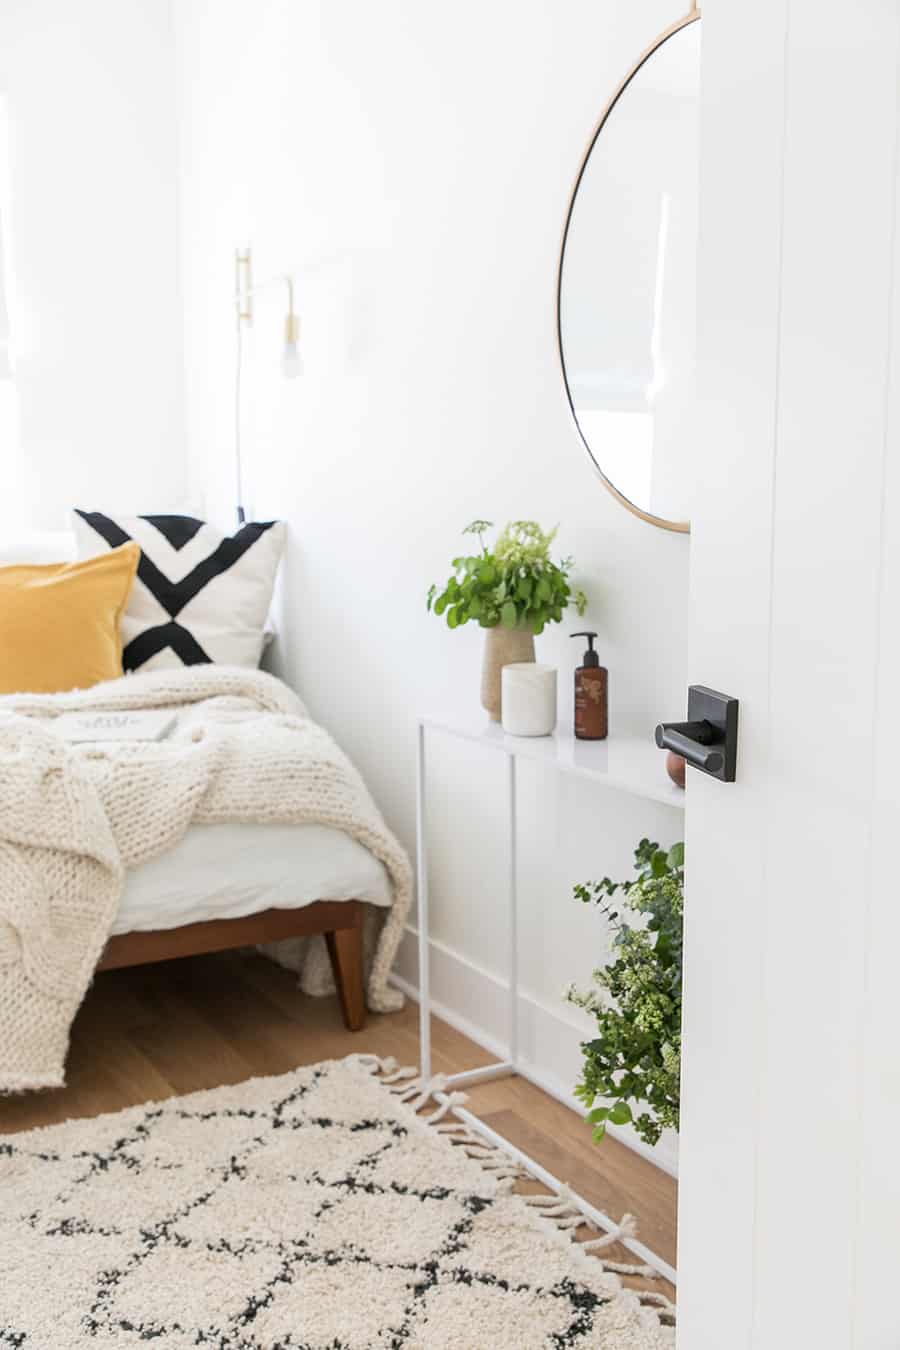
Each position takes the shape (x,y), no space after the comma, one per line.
(422,909)
(513,914)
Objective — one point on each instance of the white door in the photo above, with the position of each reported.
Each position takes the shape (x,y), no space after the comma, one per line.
(790,1144)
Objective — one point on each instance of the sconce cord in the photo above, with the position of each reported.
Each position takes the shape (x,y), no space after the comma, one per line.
(243,295)
(239,486)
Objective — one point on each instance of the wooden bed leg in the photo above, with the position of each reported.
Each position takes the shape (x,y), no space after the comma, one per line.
(345,951)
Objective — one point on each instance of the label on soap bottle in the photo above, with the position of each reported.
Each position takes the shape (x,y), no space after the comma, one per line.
(591,703)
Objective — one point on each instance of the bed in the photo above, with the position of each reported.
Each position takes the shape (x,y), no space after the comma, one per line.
(226,886)
(235,885)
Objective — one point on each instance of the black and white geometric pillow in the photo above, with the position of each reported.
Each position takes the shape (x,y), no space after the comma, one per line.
(199,595)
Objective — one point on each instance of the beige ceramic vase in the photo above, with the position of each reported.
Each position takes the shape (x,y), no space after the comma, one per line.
(502,647)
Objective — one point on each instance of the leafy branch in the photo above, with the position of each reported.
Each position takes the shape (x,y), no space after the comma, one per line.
(636,998)
(516,584)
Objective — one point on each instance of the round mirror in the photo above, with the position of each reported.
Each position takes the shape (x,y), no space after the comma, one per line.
(627,283)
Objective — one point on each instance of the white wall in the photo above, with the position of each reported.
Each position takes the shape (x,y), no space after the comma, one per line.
(96,311)
(412,164)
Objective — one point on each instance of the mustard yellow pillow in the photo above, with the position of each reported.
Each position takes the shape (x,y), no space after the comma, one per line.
(59,622)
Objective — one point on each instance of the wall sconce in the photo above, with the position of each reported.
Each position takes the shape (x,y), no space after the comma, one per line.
(244,291)
(291,364)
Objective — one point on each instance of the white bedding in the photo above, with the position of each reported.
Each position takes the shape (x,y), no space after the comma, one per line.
(225,871)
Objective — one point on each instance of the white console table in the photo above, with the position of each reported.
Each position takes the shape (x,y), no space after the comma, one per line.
(623,764)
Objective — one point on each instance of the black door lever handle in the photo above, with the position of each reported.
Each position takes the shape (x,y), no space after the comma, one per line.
(694,741)
(709,739)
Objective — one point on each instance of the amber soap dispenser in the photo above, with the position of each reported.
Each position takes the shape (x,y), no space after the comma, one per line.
(591,695)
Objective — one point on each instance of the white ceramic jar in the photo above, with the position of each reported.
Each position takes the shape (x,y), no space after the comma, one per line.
(528,703)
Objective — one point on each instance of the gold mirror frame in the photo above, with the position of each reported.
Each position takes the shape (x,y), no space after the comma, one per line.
(693,16)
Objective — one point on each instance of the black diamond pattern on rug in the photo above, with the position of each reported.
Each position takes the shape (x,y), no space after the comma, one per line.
(281,1214)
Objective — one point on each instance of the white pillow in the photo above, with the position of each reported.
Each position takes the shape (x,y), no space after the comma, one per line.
(199,595)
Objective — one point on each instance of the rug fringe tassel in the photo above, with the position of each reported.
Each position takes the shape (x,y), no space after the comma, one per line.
(623,1268)
(562,1209)
(662,1306)
(626,1228)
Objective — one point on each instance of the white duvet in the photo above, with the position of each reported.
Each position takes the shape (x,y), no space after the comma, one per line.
(226,871)
(77,818)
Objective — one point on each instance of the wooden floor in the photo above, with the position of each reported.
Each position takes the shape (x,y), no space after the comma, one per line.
(154,1031)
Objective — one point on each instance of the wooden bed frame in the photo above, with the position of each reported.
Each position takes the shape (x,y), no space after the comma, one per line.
(340,921)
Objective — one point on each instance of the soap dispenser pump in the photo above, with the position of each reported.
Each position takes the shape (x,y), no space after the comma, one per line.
(591,695)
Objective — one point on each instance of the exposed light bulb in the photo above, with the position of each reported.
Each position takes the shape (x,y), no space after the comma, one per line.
(291,364)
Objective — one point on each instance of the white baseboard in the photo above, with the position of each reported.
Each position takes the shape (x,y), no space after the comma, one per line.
(549,1041)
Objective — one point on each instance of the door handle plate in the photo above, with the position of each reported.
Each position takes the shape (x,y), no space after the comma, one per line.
(708,739)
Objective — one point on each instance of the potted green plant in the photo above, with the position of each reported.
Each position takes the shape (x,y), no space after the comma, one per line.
(513,590)
(636,999)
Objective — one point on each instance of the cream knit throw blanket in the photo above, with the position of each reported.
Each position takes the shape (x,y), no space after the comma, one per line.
(74,817)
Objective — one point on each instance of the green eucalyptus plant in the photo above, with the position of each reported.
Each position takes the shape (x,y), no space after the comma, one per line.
(516,584)
(636,998)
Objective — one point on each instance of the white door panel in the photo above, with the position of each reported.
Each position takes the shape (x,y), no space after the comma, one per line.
(876,1315)
(729,639)
(789,1069)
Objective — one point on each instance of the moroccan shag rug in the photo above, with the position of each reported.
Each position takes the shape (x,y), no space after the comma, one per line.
(332,1208)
